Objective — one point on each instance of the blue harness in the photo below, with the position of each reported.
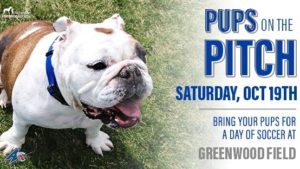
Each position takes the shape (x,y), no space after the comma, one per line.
(53,87)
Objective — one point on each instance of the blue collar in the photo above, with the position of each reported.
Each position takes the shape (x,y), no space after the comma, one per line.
(53,87)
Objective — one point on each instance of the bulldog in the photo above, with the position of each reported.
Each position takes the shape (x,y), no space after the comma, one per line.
(72,75)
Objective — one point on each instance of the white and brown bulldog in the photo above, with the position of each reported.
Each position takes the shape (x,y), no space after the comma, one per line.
(72,75)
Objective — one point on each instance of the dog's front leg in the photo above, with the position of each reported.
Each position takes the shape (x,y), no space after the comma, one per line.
(14,137)
(98,140)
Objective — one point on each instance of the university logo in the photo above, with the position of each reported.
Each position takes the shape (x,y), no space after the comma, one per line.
(15,156)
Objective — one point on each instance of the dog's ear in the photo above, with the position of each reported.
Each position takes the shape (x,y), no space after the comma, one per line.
(60,25)
(66,26)
(115,21)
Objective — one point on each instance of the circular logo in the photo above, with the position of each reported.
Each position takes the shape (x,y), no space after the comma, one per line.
(21,156)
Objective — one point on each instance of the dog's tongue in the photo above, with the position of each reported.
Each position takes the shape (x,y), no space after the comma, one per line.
(131,113)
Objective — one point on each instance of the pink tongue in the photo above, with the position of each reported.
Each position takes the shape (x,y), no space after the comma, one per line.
(132,110)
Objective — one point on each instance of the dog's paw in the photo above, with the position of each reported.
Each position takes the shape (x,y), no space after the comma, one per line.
(7,147)
(100,143)
(9,141)
(3,99)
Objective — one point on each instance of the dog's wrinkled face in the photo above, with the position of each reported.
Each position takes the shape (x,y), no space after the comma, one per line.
(102,70)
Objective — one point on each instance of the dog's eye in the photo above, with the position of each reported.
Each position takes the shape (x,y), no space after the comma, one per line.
(97,66)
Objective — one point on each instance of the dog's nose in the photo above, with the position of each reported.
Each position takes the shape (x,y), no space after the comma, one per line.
(130,72)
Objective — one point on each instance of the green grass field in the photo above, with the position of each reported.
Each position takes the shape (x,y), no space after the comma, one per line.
(164,27)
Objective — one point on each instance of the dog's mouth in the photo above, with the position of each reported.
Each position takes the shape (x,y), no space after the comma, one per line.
(125,114)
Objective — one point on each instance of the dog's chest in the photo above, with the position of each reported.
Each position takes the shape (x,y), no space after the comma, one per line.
(32,102)
(63,120)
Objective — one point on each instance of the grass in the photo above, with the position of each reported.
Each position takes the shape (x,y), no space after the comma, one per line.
(167,30)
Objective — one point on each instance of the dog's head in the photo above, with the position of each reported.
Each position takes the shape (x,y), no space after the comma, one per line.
(102,70)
